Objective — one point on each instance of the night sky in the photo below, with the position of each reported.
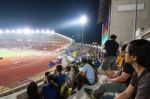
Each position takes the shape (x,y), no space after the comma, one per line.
(52,14)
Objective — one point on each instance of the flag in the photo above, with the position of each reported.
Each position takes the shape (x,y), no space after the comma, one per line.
(105,32)
(103,18)
(74,54)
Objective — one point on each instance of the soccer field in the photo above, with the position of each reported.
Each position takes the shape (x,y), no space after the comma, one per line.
(8,53)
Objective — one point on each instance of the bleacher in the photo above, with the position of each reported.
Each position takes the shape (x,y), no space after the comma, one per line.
(20,92)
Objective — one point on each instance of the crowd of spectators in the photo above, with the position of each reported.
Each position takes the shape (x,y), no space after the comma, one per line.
(68,80)
(126,71)
(129,76)
(46,46)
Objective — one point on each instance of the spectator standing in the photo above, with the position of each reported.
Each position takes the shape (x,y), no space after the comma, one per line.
(111,48)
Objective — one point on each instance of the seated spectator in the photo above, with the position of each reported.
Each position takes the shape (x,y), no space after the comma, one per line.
(97,62)
(32,91)
(90,62)
(116,84)
(60,80)
(75,69)
(59,77)
(69,77)
(46,75)
(120,61)
(120,57)
(48,91)
(137,54)
(86,74)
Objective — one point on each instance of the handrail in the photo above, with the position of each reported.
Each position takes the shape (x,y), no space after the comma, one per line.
(146,32)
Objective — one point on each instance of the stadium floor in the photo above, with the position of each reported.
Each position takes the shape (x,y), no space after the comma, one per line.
(15,70)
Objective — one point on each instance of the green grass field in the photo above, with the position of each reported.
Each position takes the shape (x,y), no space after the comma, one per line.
(8,53)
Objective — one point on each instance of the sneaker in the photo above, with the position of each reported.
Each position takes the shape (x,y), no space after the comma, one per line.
(89,93)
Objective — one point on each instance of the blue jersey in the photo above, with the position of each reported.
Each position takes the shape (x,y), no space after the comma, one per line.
(49,91)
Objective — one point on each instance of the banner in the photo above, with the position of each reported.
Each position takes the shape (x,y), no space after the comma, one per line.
(74,54)
(105,32)
(103,18)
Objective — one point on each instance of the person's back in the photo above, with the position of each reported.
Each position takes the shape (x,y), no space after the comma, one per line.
(88,71)
(49,90)
(110,56)
(90,74)
(111,48)
(32,91)
(59,77)
(69,76)
(60,80)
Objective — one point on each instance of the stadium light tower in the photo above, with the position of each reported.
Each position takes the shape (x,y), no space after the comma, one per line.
(83,21)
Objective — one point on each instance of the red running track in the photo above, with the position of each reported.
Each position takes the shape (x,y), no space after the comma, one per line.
(13,70)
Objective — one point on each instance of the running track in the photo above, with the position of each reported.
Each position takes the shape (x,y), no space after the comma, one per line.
(13,70)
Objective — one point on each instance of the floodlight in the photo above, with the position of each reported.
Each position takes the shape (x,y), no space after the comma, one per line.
(18,31)
(12,31)
(43,31)
(37,31)
(26,30)
(32,31)
(52,31)
(1,31)
(47,31)
(7,31)
(83,20)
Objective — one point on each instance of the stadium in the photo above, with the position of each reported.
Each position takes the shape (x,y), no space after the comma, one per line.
(25,55)
(38,63)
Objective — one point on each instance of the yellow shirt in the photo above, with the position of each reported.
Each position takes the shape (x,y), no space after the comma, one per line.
(120,59)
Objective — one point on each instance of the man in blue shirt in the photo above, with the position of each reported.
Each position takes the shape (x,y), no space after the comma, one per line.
(49,90)
(60,80)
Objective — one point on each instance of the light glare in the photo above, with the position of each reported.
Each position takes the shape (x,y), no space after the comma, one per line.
(1,31)
(27,30)
(52,31)
(18,31)
(7,31)
(83,20)
(12,31)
